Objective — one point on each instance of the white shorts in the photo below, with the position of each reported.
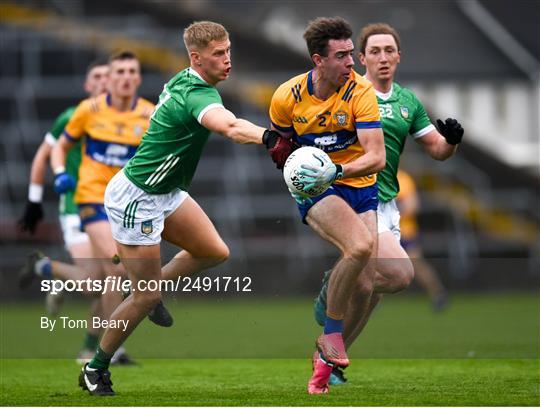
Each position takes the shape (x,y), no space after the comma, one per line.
(388,219)
(136,217)
(71,228)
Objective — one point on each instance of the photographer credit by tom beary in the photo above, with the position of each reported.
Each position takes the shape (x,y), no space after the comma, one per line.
(65,322)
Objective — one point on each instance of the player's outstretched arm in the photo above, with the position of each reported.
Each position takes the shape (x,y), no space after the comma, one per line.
(374,159)
(33,212)
(223,121)
(59,152)
(443,143)
(63,182)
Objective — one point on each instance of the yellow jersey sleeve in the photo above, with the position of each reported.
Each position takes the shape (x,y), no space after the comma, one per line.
(75,128)
(365,107)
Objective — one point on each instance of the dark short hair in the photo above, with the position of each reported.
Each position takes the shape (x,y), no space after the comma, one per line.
(373,29)
(323,29)
(123,55)
(98,62)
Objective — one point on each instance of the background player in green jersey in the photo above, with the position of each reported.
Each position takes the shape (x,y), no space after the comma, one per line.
(148,199)
(402,116)
(76,241)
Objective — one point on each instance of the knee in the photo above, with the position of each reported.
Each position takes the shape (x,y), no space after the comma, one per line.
(361,250)
(220,253)
(407,275)
(403,276)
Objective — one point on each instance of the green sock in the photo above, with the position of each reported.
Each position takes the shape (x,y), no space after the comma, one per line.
(91,341)
(101,360)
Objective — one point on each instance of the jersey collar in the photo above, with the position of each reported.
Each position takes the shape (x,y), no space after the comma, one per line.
(109,102)
(387,95)
(381,95)
(195,73)
(310,84)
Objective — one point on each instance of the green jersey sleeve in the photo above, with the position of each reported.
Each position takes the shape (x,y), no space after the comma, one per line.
(421,123)
(200,99)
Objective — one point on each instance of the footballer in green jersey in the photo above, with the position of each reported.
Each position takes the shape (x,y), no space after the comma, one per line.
(148,201)
(402,116)
(171,148)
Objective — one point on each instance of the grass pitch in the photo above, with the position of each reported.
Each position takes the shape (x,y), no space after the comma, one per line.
(484,350)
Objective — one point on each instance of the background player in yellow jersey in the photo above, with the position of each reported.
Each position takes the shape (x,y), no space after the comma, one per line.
(333,108)
(113,125)
(408,204)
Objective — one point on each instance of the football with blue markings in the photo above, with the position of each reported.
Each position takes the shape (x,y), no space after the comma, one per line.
(292,171)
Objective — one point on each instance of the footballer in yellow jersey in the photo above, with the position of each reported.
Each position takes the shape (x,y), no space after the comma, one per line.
(111,140)
(333,108)
(331,124)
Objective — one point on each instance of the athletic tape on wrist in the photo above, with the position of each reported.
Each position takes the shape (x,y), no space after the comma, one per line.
(59,169)
(35,193)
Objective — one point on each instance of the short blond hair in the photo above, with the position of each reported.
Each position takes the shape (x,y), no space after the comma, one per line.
(200,33)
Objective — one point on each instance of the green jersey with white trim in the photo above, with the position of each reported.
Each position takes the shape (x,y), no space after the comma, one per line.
(171,148)
(73,160)
(402,114)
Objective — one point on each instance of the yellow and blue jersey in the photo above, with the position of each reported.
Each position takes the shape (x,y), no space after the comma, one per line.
(111,139)
(330,125)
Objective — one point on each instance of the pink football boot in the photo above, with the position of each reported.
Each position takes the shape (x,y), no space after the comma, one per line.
(318,383)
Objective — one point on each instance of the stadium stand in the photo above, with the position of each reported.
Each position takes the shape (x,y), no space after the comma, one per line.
(482,203)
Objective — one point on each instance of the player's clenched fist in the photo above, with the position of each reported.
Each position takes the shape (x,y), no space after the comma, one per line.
(64,182)
(33,214)
(451,130)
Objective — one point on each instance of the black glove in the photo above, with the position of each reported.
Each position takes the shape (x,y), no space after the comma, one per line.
(279,148)
(451,130)
(270,138)
(33,214)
